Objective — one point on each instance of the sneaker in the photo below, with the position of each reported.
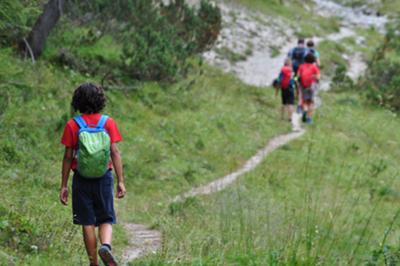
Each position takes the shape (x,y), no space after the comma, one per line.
(106,256)
(304,117)
(299,109)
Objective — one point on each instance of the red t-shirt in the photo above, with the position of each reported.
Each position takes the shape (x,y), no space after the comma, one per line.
(70,136)
(307,74)
(286,75)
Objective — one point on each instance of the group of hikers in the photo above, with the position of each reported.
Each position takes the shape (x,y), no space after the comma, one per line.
(299,78)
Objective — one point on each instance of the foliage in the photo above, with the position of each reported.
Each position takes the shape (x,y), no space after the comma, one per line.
(162,39)
(340,80)
(153,40)
(16,17)
(382,82)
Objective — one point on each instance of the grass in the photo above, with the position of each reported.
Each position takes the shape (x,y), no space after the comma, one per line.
(297,15)
(332,56)
(175,137)
(329,198)
(232,56)
(183,135)
(385,7)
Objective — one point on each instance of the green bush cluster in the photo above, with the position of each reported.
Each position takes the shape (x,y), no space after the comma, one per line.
(16,17)
(340,80)
(382,82)
(162,38)
(149,40)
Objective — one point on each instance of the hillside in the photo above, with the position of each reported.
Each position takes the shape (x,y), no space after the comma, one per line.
(329,197)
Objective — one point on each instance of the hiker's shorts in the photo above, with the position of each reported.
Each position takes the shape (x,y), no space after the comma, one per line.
(93,200)
(307,95)
(287,96)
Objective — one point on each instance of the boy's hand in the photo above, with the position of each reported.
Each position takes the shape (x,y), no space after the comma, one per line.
(64,195)
(120,190)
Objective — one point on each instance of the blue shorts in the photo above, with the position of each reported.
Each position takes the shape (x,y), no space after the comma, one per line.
(93,200)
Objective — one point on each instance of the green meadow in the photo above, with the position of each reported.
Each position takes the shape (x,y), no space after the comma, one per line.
(328,198)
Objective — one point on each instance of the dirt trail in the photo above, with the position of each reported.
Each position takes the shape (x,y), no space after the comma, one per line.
(143,240)
(243,30)
(227,180)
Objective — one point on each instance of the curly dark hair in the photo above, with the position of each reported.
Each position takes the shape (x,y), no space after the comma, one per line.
(310,58)
(88,99)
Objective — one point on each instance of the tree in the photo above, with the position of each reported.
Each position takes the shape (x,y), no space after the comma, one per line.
(34,44)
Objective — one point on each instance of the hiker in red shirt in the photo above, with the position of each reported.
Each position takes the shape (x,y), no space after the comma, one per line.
(308,77)
(286,85)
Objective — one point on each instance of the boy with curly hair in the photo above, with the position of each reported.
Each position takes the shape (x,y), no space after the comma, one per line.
(91,152)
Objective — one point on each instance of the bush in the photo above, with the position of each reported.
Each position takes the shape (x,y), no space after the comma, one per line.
(15,19)
(156,39)
(382,80)
(341,81)
(382,84)
(163,37)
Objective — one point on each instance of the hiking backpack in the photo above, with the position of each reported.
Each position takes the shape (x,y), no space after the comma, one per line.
(298,54)
(93,153)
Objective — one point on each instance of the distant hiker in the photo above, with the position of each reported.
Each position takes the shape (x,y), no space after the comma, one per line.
(285,84)
(297,55)
(308,77)
(91,152)
(311,49)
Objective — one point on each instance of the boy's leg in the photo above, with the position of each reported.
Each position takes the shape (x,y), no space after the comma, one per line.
(105,252)
(310,110)
(290,111)
(89,237)
(105,233)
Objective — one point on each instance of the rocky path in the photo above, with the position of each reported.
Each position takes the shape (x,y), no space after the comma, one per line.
(250,33)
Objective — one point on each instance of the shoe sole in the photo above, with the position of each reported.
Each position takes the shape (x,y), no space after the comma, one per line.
(107,258)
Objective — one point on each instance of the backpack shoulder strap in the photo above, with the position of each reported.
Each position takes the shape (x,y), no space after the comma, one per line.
(102,121)
(80,121)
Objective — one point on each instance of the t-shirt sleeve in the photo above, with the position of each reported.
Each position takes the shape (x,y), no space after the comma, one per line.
(67,138)
(113,131)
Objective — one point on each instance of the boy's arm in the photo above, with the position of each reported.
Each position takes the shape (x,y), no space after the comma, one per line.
(317,74)
(117,162)
(66,168)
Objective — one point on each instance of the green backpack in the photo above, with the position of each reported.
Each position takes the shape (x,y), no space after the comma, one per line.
(93,148)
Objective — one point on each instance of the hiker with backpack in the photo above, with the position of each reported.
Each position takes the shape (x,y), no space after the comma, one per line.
(286,85)
(91,151)
(311,49)
(297,55)
(308,78)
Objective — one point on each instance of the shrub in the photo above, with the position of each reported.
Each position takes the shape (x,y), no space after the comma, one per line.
(16,16)
(163,37)
(382,82)
(341,81)
(156,39)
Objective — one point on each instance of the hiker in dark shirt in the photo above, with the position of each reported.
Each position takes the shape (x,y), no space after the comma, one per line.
(297,55)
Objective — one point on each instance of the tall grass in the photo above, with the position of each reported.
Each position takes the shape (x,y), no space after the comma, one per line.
(330,198)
